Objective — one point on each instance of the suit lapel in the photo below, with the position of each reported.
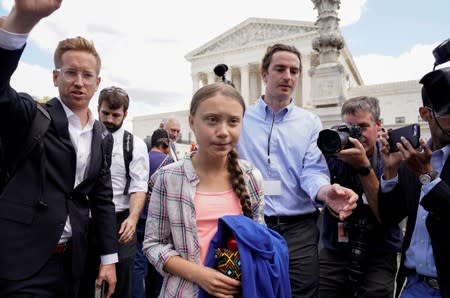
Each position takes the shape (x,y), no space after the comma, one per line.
(445,174)
(95,163)
(59,119)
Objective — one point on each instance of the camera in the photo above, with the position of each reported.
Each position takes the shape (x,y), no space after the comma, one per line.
(333,140)
(358,227)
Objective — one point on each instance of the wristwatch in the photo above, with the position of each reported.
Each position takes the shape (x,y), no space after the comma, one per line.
(364,171)
(428,177)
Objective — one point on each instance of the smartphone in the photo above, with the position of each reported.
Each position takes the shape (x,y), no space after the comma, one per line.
(410,132)
(103,289)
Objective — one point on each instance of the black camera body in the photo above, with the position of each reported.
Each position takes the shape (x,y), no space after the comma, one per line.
(358,227)
(335,139)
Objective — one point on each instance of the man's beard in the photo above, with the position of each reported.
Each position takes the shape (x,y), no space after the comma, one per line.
(113,128)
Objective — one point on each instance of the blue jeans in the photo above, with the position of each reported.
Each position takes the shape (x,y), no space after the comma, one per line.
(415,288)
(143,270)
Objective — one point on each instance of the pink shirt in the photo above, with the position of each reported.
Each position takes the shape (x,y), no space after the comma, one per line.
(209,206)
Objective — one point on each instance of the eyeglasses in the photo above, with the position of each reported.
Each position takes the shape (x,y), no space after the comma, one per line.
(114,89)
(71,75)
(444,116)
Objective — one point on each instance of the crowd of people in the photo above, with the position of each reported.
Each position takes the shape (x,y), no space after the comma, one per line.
(86,205)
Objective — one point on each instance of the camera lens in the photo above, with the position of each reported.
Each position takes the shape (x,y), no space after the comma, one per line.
(331,141)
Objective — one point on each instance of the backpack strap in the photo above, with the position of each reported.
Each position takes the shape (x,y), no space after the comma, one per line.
(127,157)
(38,128)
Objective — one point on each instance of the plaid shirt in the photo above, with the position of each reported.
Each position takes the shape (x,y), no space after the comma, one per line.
(171,225)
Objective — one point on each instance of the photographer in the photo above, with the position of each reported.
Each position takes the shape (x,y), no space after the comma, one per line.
(359,254)
(419,188)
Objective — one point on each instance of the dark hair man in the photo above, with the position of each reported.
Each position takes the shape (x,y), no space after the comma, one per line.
(279,138)
(44,208)
(129,176)
(359,257)
(416,184)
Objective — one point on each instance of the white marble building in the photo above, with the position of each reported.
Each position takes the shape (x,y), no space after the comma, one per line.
(323,86)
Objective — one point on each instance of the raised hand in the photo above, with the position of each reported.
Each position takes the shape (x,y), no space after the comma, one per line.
(27,13)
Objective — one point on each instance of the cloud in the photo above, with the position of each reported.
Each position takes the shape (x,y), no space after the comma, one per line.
(351,11)
(142,44)
(411,65)
(33,79)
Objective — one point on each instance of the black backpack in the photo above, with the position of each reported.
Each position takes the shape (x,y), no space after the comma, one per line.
(39,127)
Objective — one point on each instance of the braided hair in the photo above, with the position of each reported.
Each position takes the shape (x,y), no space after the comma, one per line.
(238,183)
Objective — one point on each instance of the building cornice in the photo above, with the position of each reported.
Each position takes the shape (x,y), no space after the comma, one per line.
(411,86)
(251,31)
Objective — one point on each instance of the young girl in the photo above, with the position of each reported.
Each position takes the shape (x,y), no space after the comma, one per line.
(189,196)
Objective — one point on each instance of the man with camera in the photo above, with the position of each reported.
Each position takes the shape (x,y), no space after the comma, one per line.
(358,258)
(416,185)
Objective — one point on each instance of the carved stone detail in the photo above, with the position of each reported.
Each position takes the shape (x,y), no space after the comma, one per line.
(330,40)
(254,33)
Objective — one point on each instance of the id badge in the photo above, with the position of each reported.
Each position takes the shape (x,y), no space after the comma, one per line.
(342,233)
(272,187)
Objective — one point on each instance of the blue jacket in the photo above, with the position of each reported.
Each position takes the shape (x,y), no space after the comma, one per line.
(263,253)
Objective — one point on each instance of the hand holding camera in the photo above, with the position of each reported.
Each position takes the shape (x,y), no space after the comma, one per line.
(335,139)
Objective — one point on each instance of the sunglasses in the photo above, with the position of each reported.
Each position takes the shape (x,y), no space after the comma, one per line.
(114,90)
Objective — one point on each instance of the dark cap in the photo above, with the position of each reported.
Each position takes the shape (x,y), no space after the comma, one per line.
(437,87)
(160,137)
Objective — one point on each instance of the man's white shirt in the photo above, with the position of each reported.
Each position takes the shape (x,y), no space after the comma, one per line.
(139,170)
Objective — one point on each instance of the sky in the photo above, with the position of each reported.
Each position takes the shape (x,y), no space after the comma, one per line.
(143,43)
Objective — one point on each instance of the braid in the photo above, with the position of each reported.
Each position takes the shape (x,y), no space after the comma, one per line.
(238,183)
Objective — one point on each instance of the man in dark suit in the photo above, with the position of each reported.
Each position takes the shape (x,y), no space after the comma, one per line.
(419,188)
(44,208)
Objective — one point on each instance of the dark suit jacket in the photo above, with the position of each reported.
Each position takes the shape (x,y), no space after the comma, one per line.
(39,197)
(403,201)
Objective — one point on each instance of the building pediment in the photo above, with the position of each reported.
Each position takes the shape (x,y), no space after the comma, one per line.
(250,32)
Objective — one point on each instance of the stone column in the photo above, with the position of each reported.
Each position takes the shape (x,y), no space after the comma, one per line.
(245,83)
(255,84)
(237,78)
(211,78)
(327,79)
(230,74)
(306,81)
(330,40)
(195,82)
